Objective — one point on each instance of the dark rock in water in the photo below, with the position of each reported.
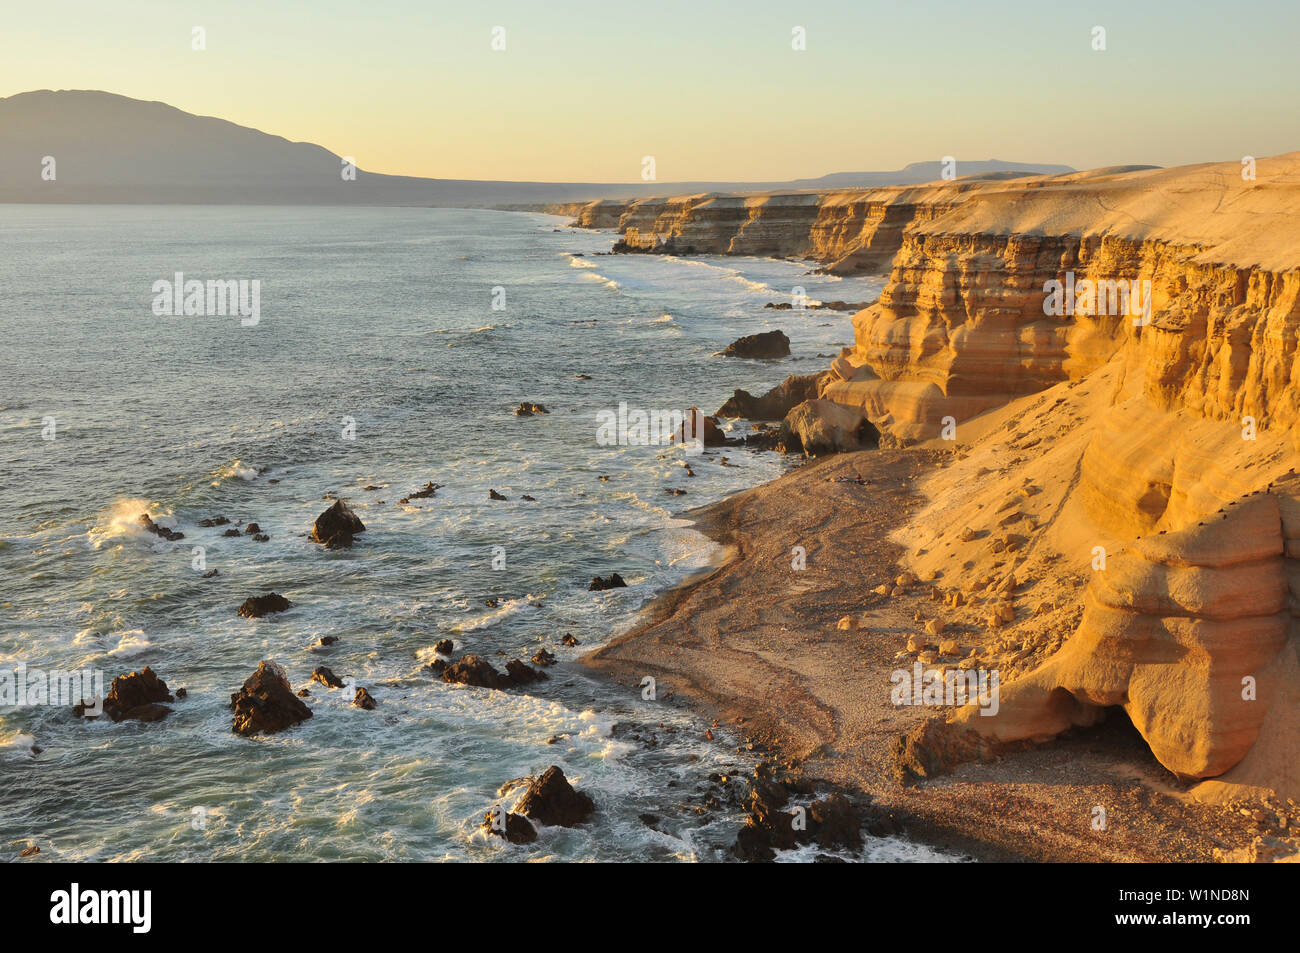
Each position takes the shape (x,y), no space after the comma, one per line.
(551,800)
(252,529)
(713,434)
(162,531)
(325,640)
(364,700)
(424,492)
(527,499)
(326,677)
(673,491)
(494,495)
(517,828)
(135,696)
(209,574)
(472,670)
(266,704)
(255,607)
(492,603)
(214,521)
(151,712)
(232,532)
(765,346)
(833,822)
(445,646)
(182,693)
(569,640)
(615,581)
(476,671)
(527,409)
(336,526)
(304,693)
(29,851)
(543,657)
(260,537)
(777,402)
(521,674)
(437,666)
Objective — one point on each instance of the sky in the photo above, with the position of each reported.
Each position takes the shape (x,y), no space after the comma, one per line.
(712,90)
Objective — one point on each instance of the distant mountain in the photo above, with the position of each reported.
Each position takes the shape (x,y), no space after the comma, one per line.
(917,172)
(113,149)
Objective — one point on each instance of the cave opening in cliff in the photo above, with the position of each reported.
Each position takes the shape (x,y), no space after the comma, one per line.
(1115,736)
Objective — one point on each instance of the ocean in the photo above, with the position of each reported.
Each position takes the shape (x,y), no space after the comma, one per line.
(391,349)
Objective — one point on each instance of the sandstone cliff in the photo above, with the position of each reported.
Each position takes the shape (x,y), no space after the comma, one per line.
(1119,526)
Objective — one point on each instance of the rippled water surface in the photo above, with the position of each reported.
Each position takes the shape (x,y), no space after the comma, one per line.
(381,317)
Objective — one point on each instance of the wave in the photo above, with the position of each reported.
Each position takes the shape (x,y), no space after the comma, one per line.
(234,469)
(122,521)
(505,610)
(607,282)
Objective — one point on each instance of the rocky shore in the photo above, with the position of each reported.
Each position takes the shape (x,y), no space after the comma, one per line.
(1095,501)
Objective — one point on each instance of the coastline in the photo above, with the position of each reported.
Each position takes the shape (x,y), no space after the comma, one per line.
(754,644)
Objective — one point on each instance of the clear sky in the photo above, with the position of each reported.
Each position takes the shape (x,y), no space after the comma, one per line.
(713,90)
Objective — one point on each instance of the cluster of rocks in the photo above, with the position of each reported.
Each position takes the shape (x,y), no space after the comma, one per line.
(836,305)
(549,799)
(614,581)
(423,493)
(477,671)
(832,822)
(168,534)
(527,409)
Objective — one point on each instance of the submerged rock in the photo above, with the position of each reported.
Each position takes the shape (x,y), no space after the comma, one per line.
(255,607)
(494,495)
(266,704)
(527,409)
(336,526)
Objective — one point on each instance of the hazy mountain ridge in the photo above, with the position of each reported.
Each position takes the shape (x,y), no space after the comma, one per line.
(114,149)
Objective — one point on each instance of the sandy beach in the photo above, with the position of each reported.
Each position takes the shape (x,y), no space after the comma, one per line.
(755,644)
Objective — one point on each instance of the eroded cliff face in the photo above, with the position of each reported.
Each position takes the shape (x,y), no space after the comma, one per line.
(1124,509)
(849,231)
